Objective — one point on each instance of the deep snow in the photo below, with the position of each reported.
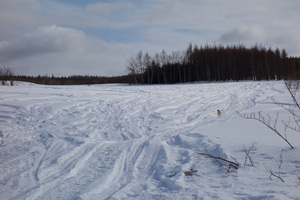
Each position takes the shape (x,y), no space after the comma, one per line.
(135,142)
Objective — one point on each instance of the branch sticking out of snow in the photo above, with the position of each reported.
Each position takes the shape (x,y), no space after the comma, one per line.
(279,169)
(231,163)
(247,152)
(190,172)
(267,122)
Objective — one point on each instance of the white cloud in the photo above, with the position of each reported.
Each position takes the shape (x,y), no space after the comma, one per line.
(64,51)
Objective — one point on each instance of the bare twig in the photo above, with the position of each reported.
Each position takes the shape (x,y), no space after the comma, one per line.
(267,122)
(272,174)
(190,172)
(247,152)
(291,111)
(294,128)
(235,160)
(293,87)
(206,154)
(279,169)
(229,167)
(231,163)
(172,175)
(296,117)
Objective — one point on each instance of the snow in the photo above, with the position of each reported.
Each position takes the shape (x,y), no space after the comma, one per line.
(135,142)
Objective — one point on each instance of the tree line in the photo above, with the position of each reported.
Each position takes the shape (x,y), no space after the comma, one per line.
(7,77)
(212,63)
(204,63)
(74,80)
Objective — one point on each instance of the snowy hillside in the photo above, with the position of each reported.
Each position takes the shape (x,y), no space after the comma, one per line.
(136,142)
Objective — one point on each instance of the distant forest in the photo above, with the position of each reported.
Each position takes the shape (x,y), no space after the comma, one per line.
(204,63)
(213,63)
(73,80)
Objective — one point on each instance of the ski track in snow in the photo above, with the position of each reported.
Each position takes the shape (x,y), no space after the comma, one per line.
(124,142)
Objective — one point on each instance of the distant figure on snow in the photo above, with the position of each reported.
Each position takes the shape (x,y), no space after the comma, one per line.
(219,113)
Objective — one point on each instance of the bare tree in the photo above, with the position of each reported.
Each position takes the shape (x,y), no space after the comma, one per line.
(146,64)
(158,62)
(2,77)
(164,60)
(188,58)
(7,74)
(140,65)
(132,68)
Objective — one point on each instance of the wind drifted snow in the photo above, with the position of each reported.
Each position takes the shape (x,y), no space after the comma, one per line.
(135,142)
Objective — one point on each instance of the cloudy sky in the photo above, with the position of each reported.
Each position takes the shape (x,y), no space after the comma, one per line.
(96,37)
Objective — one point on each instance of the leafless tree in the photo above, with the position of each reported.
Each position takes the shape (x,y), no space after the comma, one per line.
(136,66)
(140,65)
(158,63)
(6,74)
(164,60)
(147,63)
(132,68)
(2,77)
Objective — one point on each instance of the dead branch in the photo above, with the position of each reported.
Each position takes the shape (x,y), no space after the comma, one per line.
(272,174)
(229,167)
(234,160)
(172,175)
(291,111)
(231,163)
(294,128)
(267,122)
(296,117)
(219,158)
(190,172)
(293,87)
(279,168)
(247,152)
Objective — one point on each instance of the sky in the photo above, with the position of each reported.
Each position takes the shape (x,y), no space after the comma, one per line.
(93,37)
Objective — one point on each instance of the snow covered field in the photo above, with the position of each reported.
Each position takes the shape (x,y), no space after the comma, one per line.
(136,142)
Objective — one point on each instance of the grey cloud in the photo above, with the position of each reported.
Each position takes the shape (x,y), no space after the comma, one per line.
(242,34)
(45,40)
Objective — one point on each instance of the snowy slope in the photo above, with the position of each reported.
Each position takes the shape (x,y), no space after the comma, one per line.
(136,142)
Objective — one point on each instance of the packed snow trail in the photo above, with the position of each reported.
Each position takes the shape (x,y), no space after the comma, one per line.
(123,142)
